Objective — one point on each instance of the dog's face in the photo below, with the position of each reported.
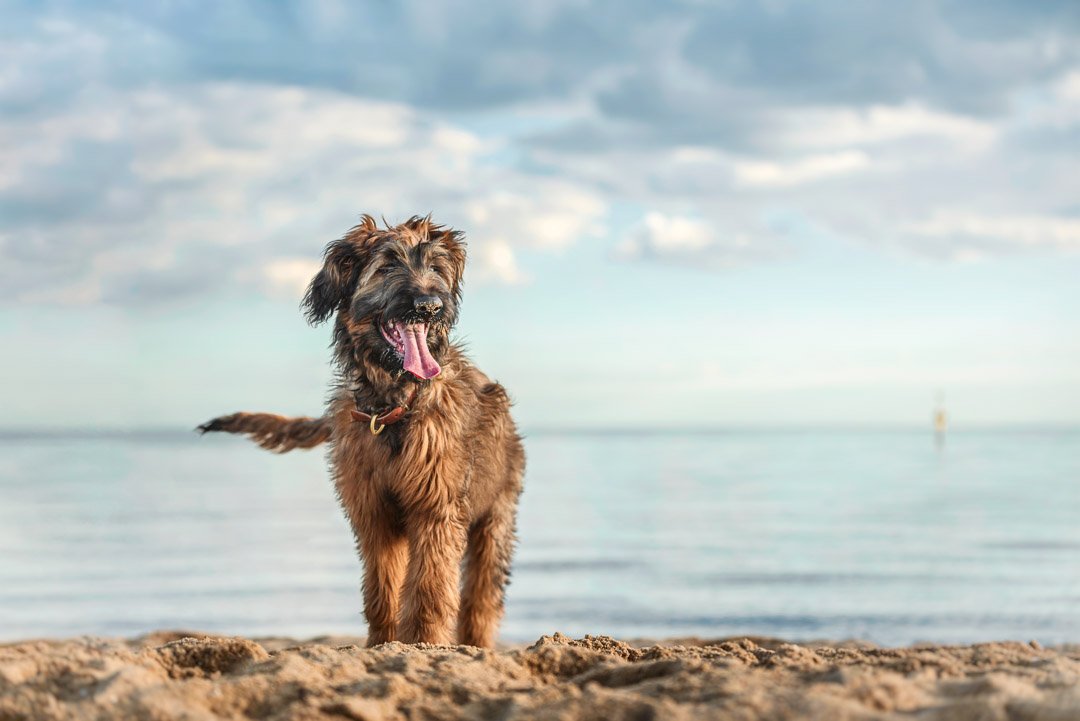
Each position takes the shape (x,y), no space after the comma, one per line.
(396,293)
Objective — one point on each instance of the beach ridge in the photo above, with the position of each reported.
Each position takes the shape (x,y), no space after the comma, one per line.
(174,675)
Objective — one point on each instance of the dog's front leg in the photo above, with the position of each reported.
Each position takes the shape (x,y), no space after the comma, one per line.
(430,608)
(385,556)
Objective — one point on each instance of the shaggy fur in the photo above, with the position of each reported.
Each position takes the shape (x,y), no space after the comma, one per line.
(432,499)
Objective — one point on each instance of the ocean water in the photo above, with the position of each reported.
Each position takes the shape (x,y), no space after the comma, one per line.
(879,535)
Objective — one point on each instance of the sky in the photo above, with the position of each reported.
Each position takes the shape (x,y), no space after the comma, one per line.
(679,215)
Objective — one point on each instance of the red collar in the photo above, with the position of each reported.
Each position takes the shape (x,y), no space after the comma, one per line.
(378,421)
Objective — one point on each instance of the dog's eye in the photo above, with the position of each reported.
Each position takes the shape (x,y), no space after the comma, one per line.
(383,270)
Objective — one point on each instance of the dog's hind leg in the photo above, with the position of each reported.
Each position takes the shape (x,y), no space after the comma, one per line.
(487,571)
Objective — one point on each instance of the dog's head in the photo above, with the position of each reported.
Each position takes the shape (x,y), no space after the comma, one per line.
(396,292)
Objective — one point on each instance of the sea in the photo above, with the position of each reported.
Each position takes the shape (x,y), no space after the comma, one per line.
(893,536)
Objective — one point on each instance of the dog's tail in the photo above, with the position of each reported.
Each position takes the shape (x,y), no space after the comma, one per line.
(273,432)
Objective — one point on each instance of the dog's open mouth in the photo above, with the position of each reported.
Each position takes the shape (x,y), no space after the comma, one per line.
(409,340)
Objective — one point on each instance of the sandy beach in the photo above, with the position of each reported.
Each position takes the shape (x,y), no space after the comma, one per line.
(173,675)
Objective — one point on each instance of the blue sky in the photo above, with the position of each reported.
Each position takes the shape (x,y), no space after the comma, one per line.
(679,214)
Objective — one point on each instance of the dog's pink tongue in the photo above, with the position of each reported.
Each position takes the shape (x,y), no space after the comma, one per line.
(418,360)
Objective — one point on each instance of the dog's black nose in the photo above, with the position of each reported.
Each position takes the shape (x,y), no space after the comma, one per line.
(427,304)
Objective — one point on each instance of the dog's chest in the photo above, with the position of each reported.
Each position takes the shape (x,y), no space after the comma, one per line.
(420,462)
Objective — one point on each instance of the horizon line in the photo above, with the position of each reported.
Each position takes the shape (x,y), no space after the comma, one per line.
(178,432)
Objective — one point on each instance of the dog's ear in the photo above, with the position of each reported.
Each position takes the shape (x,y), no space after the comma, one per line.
(333,284)
(454,243)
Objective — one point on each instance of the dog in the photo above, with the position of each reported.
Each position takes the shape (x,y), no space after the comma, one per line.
(425,457)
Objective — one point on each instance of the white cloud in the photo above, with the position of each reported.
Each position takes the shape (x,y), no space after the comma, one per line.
(247,130)
(457,142)
(541,213)
(496,261)
(970,233)
(691,154)
(901,177)
(289,277)
(1068,88)
(1056,109)
(693,241)
(761,173)
(836,127)
(674,234)
(233,182)
(226,178)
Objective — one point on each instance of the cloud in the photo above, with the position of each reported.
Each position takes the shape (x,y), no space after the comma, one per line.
(764,173)
(691,241)
(973,236)
(838,126)
(868,174)
(547,214)
(288,277)
(127,196)
(160,150)
(497,261)
(425,54)
(676,68)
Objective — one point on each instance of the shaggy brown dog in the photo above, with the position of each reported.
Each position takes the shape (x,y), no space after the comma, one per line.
(424,453)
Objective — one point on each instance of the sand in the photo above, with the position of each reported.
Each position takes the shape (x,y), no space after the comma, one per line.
(176,676)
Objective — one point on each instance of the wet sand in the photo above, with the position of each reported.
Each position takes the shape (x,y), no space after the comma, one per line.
(172,675)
